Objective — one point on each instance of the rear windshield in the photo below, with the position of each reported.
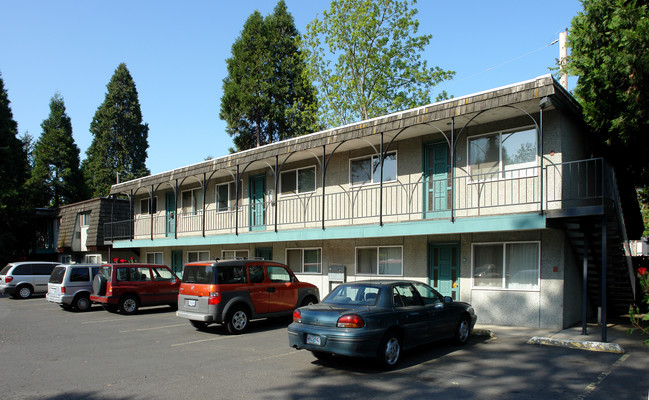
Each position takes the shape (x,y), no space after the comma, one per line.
(57,275)
(6,269)
(105,272)
(220,274)
(353,294)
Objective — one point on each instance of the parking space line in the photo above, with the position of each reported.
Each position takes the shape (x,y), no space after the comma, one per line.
(202,340)
(103,320)
(151,329)
(593,385)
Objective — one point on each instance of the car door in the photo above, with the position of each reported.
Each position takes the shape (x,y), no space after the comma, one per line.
(141,279)
(441,319)
(258,287)
(41,276)
(411,313)
(166,284)
(282,292)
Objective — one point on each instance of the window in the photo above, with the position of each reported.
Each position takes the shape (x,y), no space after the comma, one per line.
(65,259)
(223,197)
(428,294)
(405,296)
(80,274)
(192,202)
(367,170)
(93,258)
(308,261)
(506,265)
(144,206)
(154,258)
(84,219)
(234,254)
(162,274)
(503,154)
(379,261)
(278,274)
(298,181)
(256,273)
(193,256)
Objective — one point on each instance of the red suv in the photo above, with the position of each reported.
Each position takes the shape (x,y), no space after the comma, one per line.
(127,287)
(235,291)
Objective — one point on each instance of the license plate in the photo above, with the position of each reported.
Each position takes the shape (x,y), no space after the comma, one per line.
(312,339)
(191,303)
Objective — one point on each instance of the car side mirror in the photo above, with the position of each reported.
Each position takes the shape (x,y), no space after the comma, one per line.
(448,299)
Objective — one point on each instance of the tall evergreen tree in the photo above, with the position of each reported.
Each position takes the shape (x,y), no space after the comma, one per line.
(14,210)
(120,139)
(56,178)
(267,96)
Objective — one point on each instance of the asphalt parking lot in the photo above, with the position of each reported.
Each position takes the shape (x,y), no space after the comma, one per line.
(48,353)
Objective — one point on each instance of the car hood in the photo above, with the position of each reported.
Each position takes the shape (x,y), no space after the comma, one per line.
(328,314)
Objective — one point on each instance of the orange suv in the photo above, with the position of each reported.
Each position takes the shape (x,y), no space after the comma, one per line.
(232,292)
(127,287)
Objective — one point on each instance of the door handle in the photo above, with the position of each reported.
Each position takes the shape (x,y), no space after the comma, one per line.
(271,290)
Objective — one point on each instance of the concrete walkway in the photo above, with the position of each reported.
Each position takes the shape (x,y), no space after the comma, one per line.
(617,338)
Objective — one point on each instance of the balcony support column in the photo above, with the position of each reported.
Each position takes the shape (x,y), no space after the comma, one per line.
(236,202)
(276,186)
(324,175)
(176,209)
(204,195)
(453,158)
(381,158)
(584,286)
(150,209)
(603,285)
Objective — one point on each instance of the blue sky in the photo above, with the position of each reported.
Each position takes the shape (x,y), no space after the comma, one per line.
(176,53)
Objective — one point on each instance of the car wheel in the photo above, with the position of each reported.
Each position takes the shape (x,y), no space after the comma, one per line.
(462,331)
(111,308)
(237,320)
(128,305)
(322,356)
(198,324)
(99,285)
(82,303)
(389,352)
(308,301)
(23,292)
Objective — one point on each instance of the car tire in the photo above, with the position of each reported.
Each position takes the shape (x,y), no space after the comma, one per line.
(82,303)
(308,300)
(237,320)
(65,307)
(462,331)
(111,308)
(99,285)
(128,305)
(389,352)
(23,292)
(198,324)
(322,356)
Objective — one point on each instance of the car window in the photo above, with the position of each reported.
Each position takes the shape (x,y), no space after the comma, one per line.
(122,274)
(6,269)
(95,271)
(405,296)
(256,273)
(105,271)
(162,274)
(231,274)
(23,269)
(278,274)
(42,269)
(353,294)
(80,274)
(140,274)
(201,274)
(57,275)
(428,294)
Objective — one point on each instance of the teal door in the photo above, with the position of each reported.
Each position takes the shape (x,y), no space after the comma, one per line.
(170,214)
(437,168)
(177,262)
(257,203)
(444,269)
(265,253)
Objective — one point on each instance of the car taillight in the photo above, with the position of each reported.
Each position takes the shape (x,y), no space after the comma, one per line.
(297,316)
(8,278)
(215,298)
(350,321)
(62,289)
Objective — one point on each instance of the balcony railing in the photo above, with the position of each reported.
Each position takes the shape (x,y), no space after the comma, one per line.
(556,186)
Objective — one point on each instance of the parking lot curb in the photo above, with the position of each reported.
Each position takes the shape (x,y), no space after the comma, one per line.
(577,344)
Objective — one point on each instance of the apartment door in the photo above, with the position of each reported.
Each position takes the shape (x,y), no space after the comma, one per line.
(437,174)
(177,262)
(170,214)
(257,202)
(444,269)
(265,253)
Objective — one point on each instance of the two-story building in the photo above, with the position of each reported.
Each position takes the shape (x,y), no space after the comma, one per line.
(492,198)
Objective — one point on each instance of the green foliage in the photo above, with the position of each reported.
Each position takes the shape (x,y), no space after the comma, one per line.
(120,139)
(266,95)
(609,43)
(56,178)
(14,210)
(378,60)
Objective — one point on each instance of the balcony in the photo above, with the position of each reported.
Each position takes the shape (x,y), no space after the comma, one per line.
(557,189)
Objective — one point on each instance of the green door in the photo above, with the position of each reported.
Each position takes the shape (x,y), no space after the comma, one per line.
(177,262)
(437,175)
(265,253)
(257,203)
(170,213)
(444,269)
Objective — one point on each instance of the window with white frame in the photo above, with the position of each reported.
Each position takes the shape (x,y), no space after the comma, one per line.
(508,265)
(298,181)
(144,206)
(93,258)
(154,258)
(193,256)
(308,261)
(506,154)
(84,219)
(234,254)
(192,202)
(380,261)
(367,170)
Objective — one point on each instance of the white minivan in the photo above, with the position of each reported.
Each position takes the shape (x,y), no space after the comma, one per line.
(70,286)
(22,279)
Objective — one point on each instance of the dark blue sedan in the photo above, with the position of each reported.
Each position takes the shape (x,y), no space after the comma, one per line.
(379,319)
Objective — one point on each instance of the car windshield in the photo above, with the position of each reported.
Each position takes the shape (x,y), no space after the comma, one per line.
(202,274)
(57,275)
(353,294)
(219,274)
